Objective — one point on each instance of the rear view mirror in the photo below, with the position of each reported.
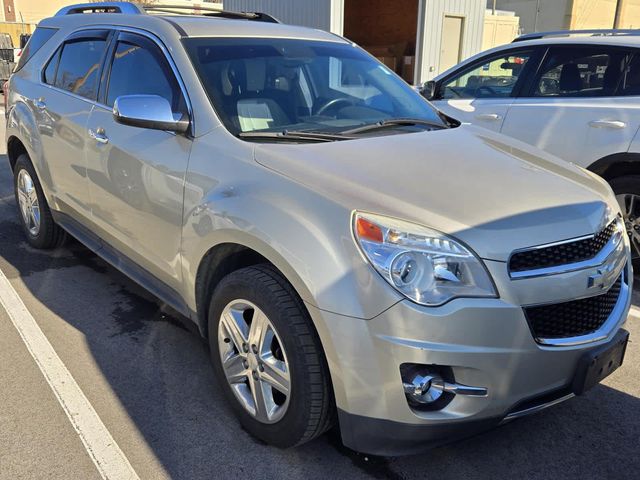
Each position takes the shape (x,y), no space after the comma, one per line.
(147,111)
(428,90)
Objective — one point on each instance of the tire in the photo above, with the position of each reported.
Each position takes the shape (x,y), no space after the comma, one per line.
(310,409)
(630,185)
(48,235)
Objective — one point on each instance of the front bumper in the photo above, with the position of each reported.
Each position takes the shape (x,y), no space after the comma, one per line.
(486,342)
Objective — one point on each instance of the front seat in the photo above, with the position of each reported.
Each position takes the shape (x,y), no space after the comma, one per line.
(570,80)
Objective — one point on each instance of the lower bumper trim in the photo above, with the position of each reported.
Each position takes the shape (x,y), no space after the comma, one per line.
(388,438)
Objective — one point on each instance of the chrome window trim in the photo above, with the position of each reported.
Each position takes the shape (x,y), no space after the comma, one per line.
(118,28)
(596,261)
(608,327)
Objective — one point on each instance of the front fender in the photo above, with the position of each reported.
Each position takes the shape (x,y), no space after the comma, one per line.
(229,198)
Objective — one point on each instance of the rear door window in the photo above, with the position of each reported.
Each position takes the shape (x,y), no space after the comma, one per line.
(79,67)
(630,82)
(35,43)
(580,72)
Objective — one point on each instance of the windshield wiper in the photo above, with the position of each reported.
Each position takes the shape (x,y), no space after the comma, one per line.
(296,135)
(393,122)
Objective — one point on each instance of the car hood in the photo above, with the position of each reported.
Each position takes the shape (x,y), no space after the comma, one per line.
(493,193)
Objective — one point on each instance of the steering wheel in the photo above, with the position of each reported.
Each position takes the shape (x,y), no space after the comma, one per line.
(488,89)
(333,102)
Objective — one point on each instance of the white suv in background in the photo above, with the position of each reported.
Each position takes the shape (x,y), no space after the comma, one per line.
(574,94)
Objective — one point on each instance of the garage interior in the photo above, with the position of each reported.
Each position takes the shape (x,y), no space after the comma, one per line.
(386,29)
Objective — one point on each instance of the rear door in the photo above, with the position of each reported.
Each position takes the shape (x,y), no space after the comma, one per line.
(136,175)
(573,107)
(63,104)
(482,92)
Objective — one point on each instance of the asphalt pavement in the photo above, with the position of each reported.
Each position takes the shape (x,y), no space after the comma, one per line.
(147,375)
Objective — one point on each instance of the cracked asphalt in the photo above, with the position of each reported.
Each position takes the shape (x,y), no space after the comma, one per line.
(147,374)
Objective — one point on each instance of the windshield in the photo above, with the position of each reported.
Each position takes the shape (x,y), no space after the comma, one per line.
(275,85)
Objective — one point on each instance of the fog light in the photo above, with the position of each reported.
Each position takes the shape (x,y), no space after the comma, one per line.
(424,389)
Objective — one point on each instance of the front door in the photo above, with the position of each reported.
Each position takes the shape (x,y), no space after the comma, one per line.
(482,92)
(136,175)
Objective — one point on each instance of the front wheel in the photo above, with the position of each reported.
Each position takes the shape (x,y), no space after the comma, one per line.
(268,358)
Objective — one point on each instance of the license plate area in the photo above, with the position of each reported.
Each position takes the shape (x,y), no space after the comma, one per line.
(597,364)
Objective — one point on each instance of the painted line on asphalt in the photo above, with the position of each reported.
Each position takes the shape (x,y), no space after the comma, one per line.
(634,312)
(110,461)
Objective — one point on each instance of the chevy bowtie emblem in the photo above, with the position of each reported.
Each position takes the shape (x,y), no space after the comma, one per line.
(596,280)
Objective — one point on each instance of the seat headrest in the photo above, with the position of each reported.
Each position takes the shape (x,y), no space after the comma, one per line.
(570,79)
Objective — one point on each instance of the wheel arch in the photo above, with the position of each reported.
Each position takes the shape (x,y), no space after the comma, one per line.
(617,165)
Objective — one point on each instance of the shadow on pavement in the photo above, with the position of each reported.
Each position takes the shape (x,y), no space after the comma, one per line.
(159,369)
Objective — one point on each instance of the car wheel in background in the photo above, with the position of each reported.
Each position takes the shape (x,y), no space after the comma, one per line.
(268,358)
(627,190)
(35,216)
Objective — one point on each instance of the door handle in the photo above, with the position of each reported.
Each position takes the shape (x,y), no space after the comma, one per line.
(40,103)
(99,135)
(607,124)
(489,116)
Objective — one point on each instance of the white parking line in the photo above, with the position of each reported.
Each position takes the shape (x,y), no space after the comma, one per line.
(634,312)
(110,461)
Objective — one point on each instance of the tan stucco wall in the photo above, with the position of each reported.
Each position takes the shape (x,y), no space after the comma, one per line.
(601,13)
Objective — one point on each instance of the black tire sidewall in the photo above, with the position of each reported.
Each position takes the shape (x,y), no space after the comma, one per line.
(291,428)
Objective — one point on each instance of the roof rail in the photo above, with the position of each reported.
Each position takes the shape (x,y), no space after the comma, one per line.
(137,9)
(101,7)
(568,33)
(208,12)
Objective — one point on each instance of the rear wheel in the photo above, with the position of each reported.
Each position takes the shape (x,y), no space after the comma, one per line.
(38,224)
(268,358)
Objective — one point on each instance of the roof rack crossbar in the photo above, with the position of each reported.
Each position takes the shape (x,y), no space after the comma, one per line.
(568,33)
(101,7)
(138,9)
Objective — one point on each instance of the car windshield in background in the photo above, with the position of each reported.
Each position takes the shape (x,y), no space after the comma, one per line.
(276,85)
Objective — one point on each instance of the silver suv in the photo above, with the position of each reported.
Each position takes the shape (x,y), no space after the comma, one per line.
(351,254)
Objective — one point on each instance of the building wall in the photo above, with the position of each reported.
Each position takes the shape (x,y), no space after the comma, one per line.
(571,14)
(433,13)
(499,29)
(309,13)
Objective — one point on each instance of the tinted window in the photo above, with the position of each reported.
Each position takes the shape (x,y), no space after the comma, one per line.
(580,72)
(142,69)
(630,81)
(35,43)
(493,78)
(79,67)
(49,75)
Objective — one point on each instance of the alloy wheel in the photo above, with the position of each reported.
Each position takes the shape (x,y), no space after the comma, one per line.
(630,206)
(29,204)
(254,361)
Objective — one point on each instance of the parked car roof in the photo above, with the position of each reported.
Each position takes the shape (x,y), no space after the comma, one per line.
(193,26)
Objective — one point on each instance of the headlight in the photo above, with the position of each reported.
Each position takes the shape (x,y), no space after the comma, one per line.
(424,265)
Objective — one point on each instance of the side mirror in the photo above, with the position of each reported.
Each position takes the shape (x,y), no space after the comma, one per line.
(147,111)
(428,90)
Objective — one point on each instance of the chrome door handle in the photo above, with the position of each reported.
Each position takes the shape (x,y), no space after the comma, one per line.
(99,135)
(607,124)
(489,116)
(40,103)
